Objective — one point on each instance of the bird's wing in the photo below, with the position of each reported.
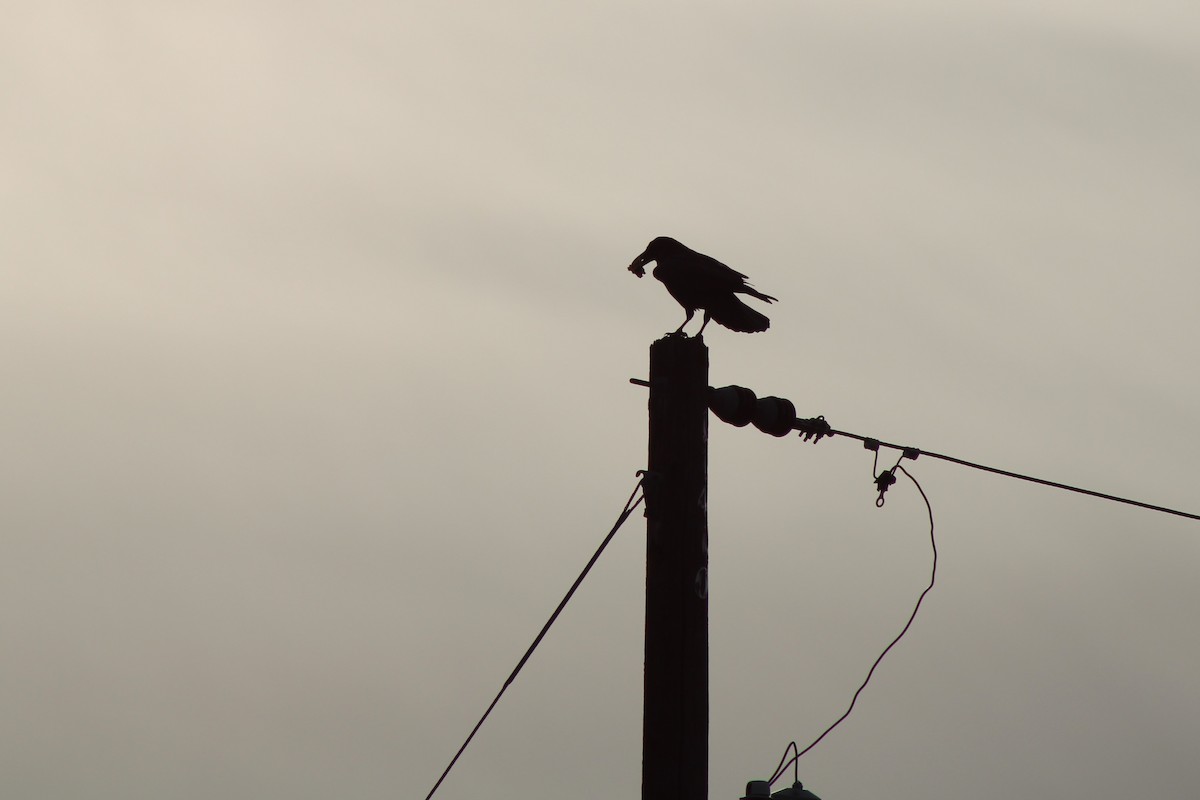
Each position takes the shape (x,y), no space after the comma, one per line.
(718,273)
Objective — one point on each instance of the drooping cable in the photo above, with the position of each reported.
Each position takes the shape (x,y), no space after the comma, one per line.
(932,579)
(630,505)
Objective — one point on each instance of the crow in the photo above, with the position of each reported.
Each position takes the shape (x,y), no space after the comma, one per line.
(698,281)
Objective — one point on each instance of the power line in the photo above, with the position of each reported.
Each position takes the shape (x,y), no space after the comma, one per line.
(739,406)
(630,505)
(912,452)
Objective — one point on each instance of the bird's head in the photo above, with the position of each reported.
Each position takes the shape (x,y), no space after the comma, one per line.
(658,249)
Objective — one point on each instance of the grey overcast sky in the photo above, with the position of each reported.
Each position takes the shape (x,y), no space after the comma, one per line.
(315,333)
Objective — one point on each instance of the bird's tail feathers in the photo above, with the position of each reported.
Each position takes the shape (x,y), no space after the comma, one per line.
(737,316)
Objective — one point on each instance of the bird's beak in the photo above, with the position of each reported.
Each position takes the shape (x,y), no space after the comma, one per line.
(638,267)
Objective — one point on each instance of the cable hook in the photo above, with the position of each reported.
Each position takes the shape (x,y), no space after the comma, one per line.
(884,480)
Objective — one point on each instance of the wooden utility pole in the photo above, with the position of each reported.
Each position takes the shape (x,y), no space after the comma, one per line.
(675,716)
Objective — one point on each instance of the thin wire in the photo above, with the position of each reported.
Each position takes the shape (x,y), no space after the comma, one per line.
(907,625)
(1019,476)
(779,770)
(630,505)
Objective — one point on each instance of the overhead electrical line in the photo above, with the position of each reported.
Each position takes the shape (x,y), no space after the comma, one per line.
(912,452)
(739,406)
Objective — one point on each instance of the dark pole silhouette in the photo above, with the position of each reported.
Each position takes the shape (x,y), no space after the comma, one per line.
(675,719)
(698,281)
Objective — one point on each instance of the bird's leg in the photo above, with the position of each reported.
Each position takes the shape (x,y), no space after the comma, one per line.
(690,313)
(707,317)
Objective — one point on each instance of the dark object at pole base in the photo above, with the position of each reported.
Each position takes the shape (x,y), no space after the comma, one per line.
(761,790)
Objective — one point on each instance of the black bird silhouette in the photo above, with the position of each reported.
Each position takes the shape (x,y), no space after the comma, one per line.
(698,281)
